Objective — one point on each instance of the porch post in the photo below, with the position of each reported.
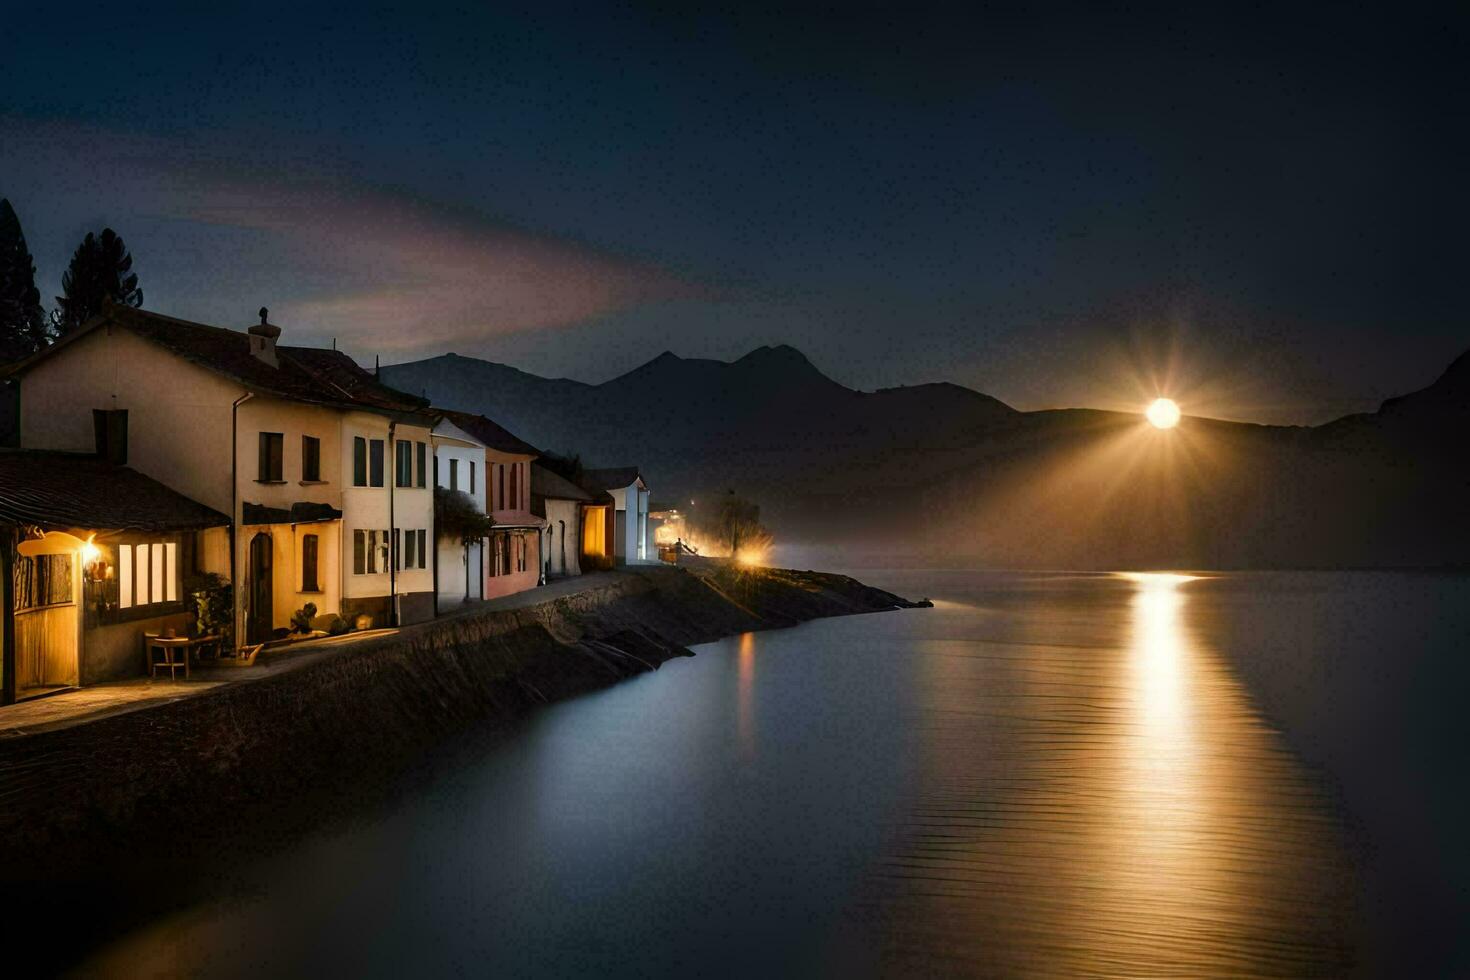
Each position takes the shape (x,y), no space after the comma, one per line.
(7,612)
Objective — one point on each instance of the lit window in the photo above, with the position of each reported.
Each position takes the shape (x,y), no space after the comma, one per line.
(140,574)
(124,576)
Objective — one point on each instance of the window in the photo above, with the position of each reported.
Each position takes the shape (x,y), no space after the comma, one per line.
(147,574)
(515,486)
(501,496)
(369,552)
(423,462)
(311,459)
(410,548)
(454,474)
(397,551)
(359,462)
(521,552)
(308,564)
(375,462)
(423,536)
(472,476)
(403,458)
(110,429)
(272,445)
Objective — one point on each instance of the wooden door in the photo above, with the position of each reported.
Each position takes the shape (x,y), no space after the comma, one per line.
(258,625)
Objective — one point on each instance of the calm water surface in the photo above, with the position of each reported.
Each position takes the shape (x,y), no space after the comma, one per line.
(1044,775)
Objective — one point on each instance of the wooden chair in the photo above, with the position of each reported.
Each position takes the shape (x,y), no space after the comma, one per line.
(171,652)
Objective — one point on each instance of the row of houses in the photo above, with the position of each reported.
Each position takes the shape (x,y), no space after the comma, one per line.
(157,454)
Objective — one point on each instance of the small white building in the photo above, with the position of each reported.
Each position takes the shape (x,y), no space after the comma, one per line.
(459,466)
(628,513)
(564,505)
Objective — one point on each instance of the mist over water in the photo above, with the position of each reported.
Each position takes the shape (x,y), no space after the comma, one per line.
(1046,774)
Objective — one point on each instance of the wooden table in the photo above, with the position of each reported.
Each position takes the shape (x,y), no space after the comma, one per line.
(167,645)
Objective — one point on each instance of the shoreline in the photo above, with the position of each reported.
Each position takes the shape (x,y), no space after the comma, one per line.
(324,722)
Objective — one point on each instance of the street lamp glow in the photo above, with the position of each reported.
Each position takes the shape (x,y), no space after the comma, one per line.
(1163,413)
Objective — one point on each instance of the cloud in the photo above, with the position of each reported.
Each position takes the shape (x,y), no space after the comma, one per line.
(214,230)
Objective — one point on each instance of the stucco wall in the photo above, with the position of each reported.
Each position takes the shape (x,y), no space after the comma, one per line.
(452,572)
(367,508)
(498,585)
(178,414)
(564,519)
(287,594)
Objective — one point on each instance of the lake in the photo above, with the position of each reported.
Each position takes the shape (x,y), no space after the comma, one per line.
(1045,774)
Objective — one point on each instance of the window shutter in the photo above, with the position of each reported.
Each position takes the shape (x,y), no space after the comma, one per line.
(359,462)
(375,462)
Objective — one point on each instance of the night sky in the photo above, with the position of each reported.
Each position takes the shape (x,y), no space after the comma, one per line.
(1050,205)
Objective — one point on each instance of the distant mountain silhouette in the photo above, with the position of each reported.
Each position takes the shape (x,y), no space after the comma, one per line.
(941,473)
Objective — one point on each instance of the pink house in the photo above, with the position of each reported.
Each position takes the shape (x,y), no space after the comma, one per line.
(512,556)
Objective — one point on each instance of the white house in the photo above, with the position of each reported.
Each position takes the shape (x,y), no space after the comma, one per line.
(628,512)
(459,466)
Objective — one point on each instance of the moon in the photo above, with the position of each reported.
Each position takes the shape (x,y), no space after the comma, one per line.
(1163,413)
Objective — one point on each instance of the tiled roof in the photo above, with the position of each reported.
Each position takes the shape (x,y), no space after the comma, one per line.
(61,490)
(324,377)
(545,483)
(609,479)
(489,433)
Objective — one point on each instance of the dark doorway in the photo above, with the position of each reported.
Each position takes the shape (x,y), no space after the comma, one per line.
(258,624)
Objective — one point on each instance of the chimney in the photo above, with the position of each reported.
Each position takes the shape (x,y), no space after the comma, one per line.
(263,338)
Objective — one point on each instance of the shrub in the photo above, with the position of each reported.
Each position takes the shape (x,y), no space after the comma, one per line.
(213,601)
(301,618)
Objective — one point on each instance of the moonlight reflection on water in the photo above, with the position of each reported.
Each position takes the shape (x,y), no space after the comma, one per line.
(1099,796)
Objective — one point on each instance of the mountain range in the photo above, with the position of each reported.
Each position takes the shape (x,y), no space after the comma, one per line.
(944,474)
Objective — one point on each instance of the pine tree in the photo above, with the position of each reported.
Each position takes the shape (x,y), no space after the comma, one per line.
(100,269)
(22,324)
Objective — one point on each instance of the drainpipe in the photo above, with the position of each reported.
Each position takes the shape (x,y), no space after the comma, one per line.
(392,530)
(236,586)
(433,482)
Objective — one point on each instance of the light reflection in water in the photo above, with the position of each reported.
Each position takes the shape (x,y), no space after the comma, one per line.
(1097,795)
(745,697)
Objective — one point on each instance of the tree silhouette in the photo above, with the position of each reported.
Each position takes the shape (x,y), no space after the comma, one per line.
(100,269)
(22,323)
(738,522)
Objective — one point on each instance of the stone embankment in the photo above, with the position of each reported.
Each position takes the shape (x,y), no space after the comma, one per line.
(189,772)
